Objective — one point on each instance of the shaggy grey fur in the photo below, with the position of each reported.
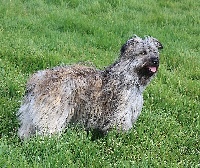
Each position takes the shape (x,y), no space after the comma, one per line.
(92,98)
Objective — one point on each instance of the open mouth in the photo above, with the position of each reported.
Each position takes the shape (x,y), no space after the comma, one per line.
(153,69)
(148,71)
(149,68)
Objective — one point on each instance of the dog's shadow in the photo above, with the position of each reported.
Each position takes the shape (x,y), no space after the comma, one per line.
(96,134)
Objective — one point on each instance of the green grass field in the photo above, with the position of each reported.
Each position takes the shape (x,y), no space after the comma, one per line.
(39,34)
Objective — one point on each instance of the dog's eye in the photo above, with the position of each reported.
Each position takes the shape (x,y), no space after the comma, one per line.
(144,53)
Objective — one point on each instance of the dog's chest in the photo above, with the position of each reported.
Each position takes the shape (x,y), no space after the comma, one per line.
(130,108)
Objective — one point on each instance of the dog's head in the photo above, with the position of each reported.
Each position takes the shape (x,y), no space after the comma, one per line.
(142,55)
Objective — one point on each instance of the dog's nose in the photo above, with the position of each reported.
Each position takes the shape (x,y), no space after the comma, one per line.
(155,60)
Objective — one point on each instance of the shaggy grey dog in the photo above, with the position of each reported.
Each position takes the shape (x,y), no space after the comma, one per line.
(95,99)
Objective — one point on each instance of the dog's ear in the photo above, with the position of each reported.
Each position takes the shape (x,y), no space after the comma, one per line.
(123,49)
(150,39)
(130,44)
(157,44)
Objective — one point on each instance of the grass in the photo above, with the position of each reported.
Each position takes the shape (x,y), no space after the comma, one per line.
(44,33)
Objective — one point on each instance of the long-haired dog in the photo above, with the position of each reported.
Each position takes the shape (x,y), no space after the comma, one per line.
(95,99)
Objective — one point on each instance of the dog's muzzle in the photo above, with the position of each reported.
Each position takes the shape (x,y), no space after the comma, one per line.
(149,68)
(153,64)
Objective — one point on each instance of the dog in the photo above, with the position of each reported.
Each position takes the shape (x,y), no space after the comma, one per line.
(95,99)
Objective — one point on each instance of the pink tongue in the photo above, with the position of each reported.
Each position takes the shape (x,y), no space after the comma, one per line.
(153,69)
